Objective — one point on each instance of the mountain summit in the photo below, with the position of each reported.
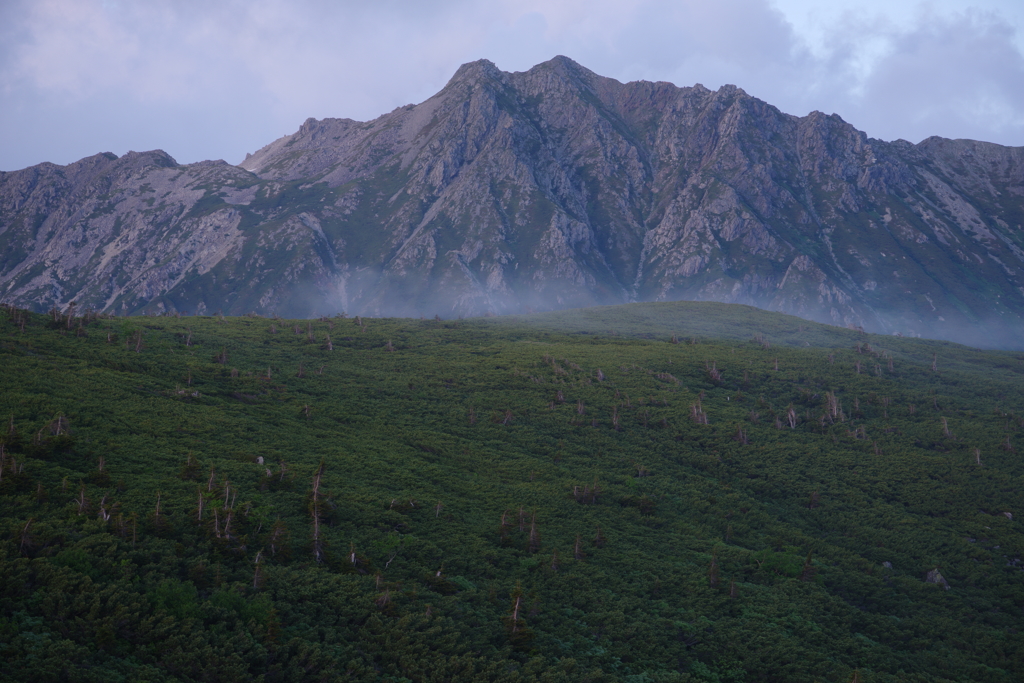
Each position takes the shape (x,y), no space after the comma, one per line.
(550,188)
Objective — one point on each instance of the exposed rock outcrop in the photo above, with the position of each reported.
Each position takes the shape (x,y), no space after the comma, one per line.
(549,188)
(935,577)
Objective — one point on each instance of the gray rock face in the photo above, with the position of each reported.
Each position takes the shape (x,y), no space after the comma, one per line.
(551,188)
(935,577)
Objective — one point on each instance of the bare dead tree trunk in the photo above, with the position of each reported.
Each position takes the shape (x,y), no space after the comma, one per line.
(503,527)
(276,536)
(515,613)
(833,404)
(315,513)
(81,501)
(26,538)
(741,436)
(103,514)
(256,577)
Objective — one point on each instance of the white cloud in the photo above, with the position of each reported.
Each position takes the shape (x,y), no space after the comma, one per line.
(955,76)
(217,78)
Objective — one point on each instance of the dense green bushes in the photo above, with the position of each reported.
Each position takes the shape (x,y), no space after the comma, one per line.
(506,500)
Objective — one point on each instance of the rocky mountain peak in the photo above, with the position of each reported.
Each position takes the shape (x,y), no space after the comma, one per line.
(566,68)
(480,69)
(549,188)
(156,157)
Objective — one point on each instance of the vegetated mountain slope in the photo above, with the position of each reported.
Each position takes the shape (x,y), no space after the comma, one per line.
(503,503)
(546,189)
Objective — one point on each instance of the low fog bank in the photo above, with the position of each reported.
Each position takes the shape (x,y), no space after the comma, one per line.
(706,319)
(685,319)
(374,294)
(693,322)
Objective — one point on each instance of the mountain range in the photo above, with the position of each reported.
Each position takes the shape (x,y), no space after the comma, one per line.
(545,189)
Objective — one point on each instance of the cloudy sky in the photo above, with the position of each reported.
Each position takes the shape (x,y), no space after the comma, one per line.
(209,79)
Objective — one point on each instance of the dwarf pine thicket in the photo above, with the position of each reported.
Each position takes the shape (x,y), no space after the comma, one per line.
(541,498)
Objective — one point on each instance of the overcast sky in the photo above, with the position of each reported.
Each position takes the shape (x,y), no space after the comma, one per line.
(209,79)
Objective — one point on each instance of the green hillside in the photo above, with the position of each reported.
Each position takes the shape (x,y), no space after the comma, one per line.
(559,497)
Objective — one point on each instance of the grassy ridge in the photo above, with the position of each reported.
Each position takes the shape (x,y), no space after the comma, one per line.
(739,549)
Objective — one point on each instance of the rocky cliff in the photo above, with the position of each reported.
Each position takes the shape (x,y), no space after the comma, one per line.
(551,188)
